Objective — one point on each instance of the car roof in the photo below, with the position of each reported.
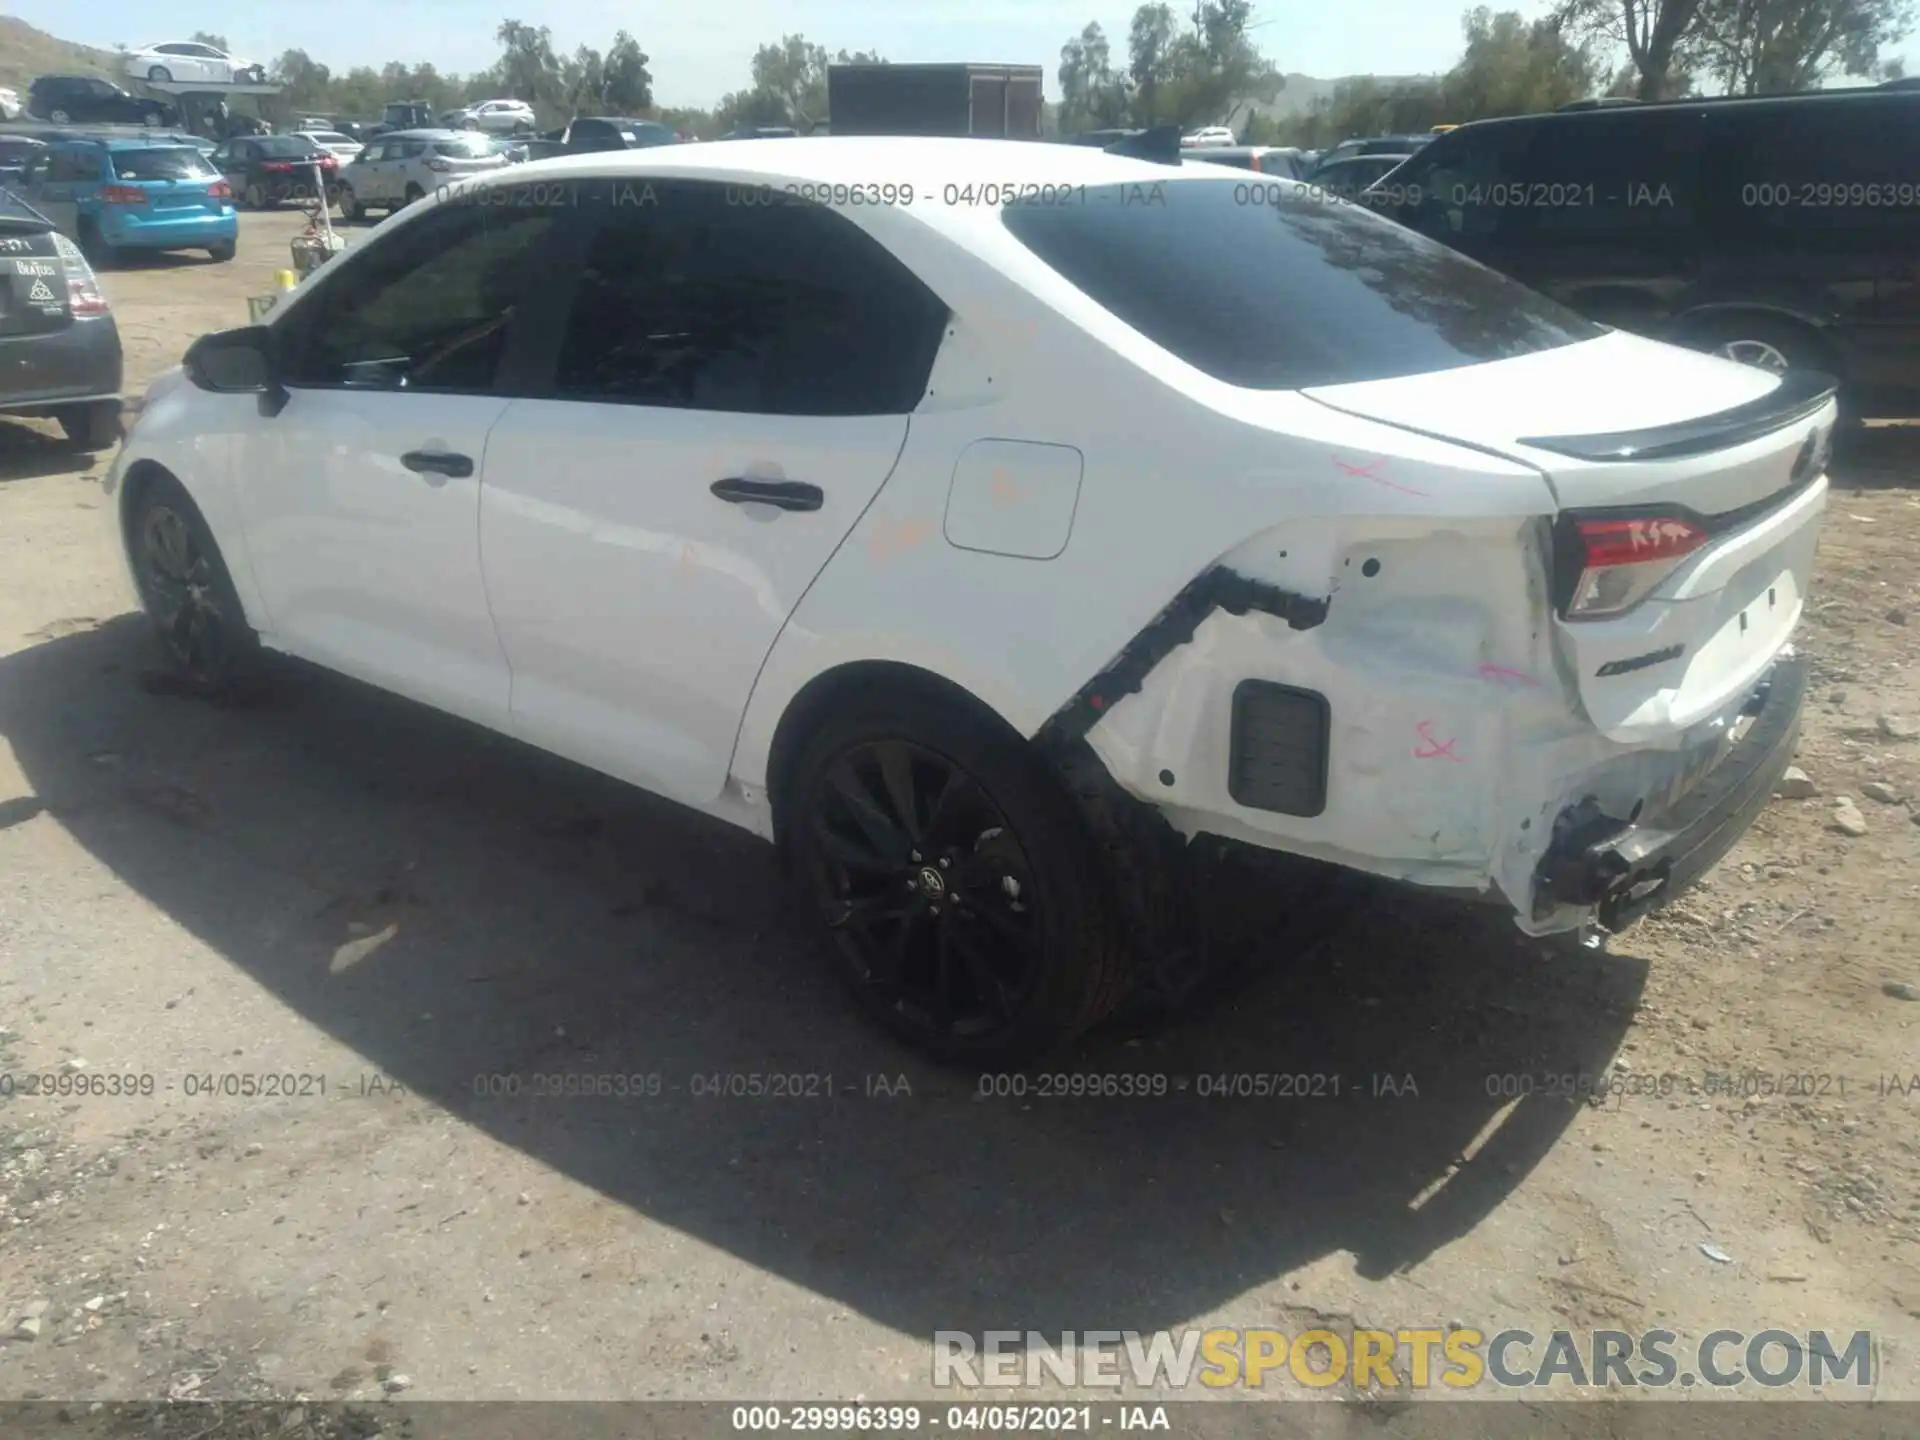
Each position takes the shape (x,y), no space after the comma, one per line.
(436,133)
(1731,104)
(158,142)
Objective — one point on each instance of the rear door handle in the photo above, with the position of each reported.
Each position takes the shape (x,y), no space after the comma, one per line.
(437,462)
(785,494)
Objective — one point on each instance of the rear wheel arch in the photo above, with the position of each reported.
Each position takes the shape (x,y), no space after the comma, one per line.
(818,699)
(1814,337)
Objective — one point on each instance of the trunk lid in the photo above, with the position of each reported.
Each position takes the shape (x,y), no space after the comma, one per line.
(34,296)
(1626,430)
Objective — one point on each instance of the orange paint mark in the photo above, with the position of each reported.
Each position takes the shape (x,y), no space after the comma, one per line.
(896,537)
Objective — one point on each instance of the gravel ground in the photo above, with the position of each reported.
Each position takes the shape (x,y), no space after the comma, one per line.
(343,889)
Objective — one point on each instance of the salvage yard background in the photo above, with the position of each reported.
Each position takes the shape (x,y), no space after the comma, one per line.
(334,883)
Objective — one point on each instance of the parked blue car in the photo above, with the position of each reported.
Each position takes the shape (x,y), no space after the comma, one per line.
(119,195)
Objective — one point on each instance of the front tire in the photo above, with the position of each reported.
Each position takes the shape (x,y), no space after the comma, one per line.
(187,592)
(92,427)
(956,885)
(414,192)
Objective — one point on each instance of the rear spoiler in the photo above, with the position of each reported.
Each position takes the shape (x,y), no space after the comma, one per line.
(1160,144)
(1799,394)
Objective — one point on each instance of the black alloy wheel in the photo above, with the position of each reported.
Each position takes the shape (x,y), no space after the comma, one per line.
(180,589)
(927,890)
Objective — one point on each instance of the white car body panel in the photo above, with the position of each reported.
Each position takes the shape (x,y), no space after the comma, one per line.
(645,629)
(203,63)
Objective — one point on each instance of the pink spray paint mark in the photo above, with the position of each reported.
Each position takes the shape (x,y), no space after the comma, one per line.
(1491,671)
(1435,749)
(1367,472)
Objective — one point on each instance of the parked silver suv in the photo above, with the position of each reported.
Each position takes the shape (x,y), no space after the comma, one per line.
(399,168)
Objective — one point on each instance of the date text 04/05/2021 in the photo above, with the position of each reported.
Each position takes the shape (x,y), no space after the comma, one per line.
(964,1419)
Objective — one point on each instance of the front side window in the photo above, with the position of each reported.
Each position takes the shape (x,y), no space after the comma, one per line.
(1294,293)
(1819,171)
(687,301)
(1465,180)
(427,308)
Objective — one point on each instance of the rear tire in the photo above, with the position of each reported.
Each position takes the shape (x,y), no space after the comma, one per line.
(351,207)
(92,427)
(220,254)
(59,116)
(184,586)
(413,193)
(94,246)
(160,75)
(956,885)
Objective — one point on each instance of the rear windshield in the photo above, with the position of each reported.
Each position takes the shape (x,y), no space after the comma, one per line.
(19,218)
(1264,284)
(286,146)
(177,162)
(465,147)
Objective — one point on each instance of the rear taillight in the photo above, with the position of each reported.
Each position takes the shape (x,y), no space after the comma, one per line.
(1622,561)
(122,195)
(219,190)
(1253,163)
(277,167)
(83,290)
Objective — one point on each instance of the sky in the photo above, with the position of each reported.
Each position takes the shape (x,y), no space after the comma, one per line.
(701,50)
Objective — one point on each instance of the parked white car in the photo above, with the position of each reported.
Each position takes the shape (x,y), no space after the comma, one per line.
(10,107)
(186,61)
(979,558)
(397,169)
(1208,135)
(343,148)
(496,117)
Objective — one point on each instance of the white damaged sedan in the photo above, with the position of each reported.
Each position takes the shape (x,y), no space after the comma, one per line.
(983,522)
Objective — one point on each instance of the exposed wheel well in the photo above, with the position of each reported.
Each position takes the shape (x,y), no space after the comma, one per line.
(819,697)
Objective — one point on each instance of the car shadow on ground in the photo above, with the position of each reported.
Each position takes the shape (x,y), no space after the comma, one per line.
(1877,456)
(372,863)
(26,453)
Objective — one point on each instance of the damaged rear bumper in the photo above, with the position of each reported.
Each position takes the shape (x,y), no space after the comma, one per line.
(1628,868)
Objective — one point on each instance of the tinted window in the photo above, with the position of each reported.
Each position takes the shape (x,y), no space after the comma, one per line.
(686,300)
(1610,174)
(1819,168)
(285,147)
(1295,293)
(1458,175)
(76,165)
(426,308)
(174,163)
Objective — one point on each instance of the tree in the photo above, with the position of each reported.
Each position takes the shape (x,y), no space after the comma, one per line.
(207,37)
(789,85)
(1661,37)
(583,79)
(1767,47)
(528,68)
(305,83)
(1150,58)
(1092,95)
(625,83)
(1514,67)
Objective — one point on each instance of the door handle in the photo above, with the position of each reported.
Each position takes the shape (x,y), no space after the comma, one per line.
(784,494)
(437,462)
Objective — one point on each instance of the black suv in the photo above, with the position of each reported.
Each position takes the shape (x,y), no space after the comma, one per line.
(86,100)
(1783,231)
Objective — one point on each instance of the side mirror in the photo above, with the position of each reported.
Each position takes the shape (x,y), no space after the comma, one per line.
(237,362)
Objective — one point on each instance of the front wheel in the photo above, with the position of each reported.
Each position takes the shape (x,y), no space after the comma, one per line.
(954,881)
(413,193)
(187,593)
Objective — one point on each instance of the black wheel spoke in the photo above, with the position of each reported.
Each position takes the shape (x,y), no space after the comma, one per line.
(943,819)
(1006,927)
(989,986)
(942,997)
(852,854)
(896,773)
(884,836)
(866,911)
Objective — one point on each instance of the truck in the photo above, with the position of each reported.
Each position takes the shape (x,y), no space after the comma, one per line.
(1001,101)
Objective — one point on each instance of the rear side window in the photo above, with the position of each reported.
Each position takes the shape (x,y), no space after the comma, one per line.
(1821,169)
(1290,293)
(1464,180)
(177,163)
(687,300)
(465,147)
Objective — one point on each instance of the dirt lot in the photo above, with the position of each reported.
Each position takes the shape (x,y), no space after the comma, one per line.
(333,884)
